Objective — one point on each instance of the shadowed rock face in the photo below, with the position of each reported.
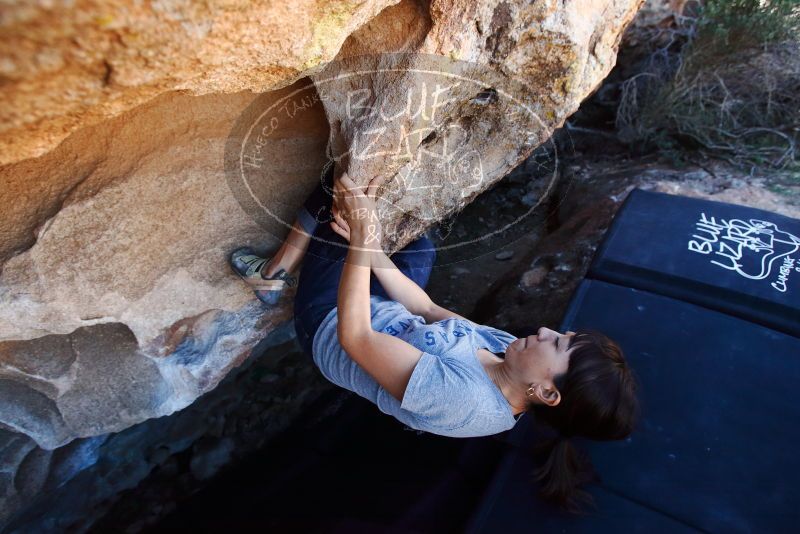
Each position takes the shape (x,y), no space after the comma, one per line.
(118,213)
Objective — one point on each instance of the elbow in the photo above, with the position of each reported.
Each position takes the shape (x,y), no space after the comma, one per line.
(429,313)
(344,339)
(350,338)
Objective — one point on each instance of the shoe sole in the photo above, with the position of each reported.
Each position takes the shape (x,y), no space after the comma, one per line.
(267,296)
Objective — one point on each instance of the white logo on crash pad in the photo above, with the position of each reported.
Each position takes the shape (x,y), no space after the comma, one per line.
(750,248)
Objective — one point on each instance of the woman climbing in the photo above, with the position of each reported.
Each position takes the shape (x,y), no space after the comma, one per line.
(431,368)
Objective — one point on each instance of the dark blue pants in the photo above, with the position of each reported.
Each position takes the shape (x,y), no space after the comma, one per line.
(318,284)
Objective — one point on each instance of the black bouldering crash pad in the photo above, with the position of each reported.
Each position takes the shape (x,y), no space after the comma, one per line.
(735,259)
(702,297)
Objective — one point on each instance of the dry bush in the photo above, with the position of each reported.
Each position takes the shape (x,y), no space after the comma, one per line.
(727,84)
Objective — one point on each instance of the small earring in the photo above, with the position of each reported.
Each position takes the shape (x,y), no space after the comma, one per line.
(531,390)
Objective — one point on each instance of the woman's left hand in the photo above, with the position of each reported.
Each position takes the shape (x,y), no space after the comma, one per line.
(339,225)
(355,213)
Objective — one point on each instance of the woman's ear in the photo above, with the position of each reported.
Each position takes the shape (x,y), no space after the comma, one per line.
(549,396)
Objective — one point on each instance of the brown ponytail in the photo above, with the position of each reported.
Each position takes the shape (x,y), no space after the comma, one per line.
(562,471)
(598,401)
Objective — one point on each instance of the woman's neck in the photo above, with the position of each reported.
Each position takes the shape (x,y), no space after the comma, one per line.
(498,372)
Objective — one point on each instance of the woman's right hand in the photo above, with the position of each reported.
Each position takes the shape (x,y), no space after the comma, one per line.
(355,207)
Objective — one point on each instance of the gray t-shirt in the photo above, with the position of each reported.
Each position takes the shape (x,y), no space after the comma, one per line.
(449,392)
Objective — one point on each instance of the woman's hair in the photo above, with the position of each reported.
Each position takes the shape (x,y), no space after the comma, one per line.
(598,401)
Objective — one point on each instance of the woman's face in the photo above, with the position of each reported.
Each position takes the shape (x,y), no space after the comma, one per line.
(540,357)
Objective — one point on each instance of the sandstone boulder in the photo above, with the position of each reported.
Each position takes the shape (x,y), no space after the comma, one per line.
(121,185)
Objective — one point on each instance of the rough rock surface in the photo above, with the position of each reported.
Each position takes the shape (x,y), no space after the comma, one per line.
(67,65)
(545,58)
(118,236)
(68,489)
(125,307)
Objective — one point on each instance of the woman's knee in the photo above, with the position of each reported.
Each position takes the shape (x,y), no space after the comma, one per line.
(421,252)
(426,246)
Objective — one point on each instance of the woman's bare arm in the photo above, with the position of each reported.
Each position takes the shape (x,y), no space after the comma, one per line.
(390,361)
(398,286)
(405,291)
